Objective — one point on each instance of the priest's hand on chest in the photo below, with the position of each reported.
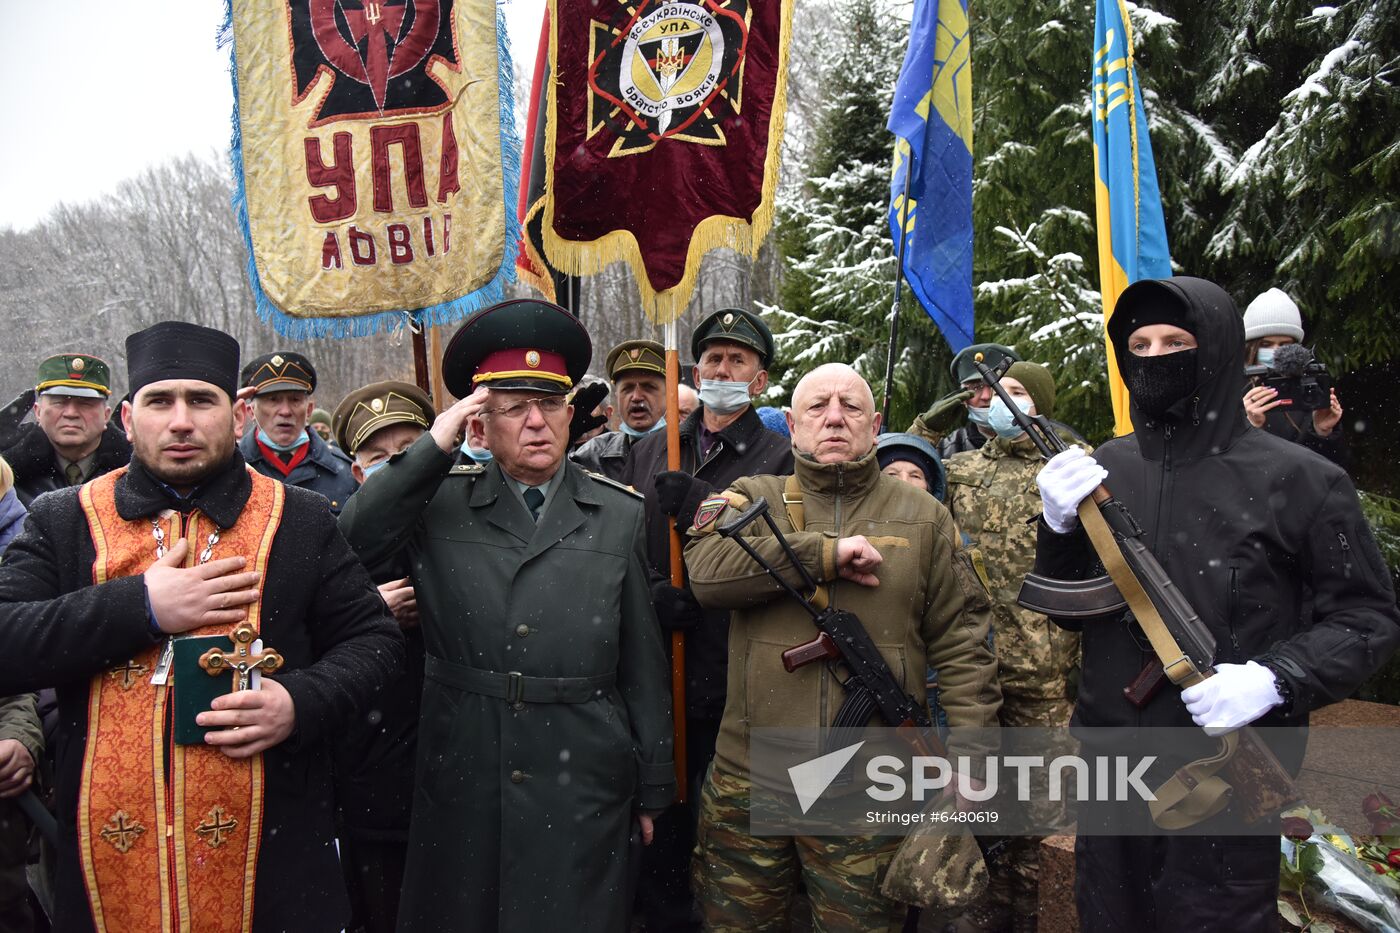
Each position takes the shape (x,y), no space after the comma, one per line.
(214,593)
(250,721)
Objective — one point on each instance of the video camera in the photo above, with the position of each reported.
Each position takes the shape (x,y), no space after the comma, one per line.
(1302,383)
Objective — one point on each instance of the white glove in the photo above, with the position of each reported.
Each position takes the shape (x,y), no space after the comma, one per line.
(1235,695)
(1064,482)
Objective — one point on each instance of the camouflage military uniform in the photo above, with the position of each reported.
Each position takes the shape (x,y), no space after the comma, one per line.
(993,497)
(842,874)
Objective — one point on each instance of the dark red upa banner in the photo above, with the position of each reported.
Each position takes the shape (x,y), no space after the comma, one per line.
(665,122)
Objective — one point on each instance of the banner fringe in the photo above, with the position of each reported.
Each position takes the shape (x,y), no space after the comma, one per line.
(296,327)
(717,231)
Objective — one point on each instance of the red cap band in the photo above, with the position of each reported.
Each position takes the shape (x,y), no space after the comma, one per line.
(523,363)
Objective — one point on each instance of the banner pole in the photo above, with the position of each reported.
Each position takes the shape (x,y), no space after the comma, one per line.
(673,462)
(903,214)
(422,371)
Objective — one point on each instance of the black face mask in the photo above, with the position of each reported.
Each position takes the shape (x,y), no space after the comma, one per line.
(1159,382)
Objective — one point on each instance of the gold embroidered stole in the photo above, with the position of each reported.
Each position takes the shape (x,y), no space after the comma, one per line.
(168,834)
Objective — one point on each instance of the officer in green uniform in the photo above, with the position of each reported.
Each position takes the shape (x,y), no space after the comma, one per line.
(70,440)
(993,495)
(374,761)
(545,736)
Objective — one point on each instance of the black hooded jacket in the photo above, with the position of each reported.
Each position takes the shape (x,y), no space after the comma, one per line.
(1244,523)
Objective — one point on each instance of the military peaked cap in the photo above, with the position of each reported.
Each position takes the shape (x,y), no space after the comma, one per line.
(376,406)
(641,355)
(282,371)
(734,325)
(992,354)
(77,374)
(520,344)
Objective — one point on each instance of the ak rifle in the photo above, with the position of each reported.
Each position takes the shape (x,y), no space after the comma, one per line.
(1184,646)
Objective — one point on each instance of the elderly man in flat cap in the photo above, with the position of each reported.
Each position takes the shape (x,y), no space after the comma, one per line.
(183,800)
(281,444)
(637,369)
(70,441)
(374,761)
(545,738)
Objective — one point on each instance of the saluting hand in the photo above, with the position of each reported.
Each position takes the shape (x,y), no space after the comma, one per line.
(185,598)
(250,721)
(447,427)
(856,560)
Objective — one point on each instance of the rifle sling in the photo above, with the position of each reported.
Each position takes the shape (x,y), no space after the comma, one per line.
(1177,665)
(792,501)
(858,706)
(1195,792)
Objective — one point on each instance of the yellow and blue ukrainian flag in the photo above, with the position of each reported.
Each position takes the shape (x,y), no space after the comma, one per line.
(932,123)
(1132,231)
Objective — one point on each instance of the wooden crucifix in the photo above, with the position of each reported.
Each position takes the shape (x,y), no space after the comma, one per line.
(242,661)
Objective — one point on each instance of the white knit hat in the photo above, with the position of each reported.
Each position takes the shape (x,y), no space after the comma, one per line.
(1273,314)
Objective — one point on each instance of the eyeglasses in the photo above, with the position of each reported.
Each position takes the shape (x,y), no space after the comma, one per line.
(548,405)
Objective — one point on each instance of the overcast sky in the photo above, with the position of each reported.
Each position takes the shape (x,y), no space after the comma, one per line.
(94,91)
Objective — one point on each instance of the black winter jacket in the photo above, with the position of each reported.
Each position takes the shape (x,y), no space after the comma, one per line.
(35,463)
(325,470)
(744,448)
(1246,524)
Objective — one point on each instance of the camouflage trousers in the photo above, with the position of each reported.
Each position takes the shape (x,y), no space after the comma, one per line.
(1015,876)
(746,884)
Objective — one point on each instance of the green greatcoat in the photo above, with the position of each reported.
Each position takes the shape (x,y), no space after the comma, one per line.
(522,811)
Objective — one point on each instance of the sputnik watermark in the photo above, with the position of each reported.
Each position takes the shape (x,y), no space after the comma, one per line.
(1117,778)
(1043,781)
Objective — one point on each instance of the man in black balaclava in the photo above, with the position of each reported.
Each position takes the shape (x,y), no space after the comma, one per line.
(1245,524)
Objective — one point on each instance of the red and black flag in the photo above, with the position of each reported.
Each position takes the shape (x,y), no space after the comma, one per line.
(663,133)
(530,261)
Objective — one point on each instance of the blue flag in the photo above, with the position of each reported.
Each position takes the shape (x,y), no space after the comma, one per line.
(932,122)
(1131,230)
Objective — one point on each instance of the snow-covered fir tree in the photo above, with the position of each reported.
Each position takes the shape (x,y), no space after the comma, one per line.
(840,265)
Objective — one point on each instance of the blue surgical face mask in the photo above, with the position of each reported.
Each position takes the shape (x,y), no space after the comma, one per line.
(978,416)
(630,431)
(479,455)
(724,398)
(1265,356)
(373,468)
(301,439)
(1000,419)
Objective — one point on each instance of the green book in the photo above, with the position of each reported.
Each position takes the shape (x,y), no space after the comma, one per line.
(195,688)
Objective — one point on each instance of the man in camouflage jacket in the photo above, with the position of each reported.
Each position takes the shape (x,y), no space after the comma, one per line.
(994,500)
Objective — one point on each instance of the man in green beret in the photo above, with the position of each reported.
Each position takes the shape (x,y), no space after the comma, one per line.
(281,444)
(374,760)
(70,440)
(637,369)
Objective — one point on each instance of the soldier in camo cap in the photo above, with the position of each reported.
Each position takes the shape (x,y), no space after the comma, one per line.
(992,495)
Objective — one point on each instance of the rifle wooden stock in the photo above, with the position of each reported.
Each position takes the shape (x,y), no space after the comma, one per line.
(1263,787)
